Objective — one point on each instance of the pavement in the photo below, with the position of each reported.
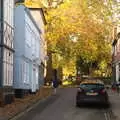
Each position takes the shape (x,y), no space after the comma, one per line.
(115,104)
(62,107)
(19,106)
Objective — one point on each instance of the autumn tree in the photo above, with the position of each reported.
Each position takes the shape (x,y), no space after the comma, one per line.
(80,30)
(87,22)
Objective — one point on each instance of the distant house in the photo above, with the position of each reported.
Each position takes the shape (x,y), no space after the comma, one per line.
(6,50)
(116,54)
(29,51)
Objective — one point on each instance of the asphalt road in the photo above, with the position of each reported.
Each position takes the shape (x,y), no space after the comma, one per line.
(62,107)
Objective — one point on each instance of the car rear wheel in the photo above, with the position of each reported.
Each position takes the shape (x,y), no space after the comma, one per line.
(107,105)
(78,104)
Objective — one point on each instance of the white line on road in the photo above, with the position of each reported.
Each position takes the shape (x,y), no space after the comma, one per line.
(107,116)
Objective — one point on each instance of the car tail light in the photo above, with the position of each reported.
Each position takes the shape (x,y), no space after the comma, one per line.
(103,91)
(80,90)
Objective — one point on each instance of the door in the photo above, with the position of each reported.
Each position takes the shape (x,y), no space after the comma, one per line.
(34,79)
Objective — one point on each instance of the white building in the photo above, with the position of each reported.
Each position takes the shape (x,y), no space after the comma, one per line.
(6,50)
(39,17)
(29,50)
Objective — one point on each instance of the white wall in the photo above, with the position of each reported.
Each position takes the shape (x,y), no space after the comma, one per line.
(27,51)
(37,15)
(9,12)
(38,18)
(8,41)
(8,67)
(19,36)
(8,22)
(32,39)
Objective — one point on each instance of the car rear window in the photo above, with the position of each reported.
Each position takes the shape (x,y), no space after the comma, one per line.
(91,86)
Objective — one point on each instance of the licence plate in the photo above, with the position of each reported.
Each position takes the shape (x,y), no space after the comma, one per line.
(92,94)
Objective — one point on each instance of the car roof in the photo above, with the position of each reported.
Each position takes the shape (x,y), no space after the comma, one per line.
(92,82)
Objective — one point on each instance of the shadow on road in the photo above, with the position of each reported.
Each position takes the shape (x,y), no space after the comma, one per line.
(39,108)
(95,106)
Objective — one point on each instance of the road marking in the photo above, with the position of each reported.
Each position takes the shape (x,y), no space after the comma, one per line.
(107,116)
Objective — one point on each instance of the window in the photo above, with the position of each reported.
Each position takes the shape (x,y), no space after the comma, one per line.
(26,72)
(33,45)
(28,35)
(8,11)
(91,86)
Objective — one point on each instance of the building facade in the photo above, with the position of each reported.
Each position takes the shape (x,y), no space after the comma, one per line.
(29,54)
(116,54)
(6,50)
(40,20)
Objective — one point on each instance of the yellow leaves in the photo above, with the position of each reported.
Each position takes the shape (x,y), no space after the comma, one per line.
(85,18)
(70,68)
(33,3)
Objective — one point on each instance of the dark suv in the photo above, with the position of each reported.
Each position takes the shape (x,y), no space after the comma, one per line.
(92,91)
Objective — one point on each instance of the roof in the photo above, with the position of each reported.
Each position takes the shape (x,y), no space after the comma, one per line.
(92,82)
(31,17)
(42,13)
(32,5)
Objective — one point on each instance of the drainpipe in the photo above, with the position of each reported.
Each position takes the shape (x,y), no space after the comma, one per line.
(2,41)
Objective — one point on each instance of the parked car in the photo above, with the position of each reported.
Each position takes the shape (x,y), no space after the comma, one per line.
(92,91)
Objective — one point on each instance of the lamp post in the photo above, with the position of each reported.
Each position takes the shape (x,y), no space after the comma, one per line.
(1,41)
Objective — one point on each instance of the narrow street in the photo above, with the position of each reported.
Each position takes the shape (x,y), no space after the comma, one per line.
(49,43)
(62,107)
